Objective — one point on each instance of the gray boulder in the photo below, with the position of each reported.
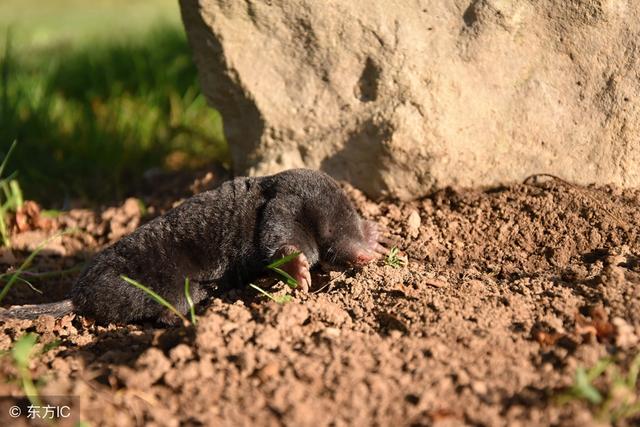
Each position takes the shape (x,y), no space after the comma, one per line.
(401,97)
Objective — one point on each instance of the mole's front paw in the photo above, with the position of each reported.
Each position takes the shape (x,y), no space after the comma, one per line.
(298,268)
(372,247)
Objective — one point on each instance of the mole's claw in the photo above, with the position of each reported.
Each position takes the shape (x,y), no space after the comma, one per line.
(370,230)
(305,282)
(379,249)
(386,241)
(298,268)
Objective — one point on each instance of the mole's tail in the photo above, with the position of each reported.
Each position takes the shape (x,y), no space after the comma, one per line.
(32,311)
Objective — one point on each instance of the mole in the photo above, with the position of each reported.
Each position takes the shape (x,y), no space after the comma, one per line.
(224,236)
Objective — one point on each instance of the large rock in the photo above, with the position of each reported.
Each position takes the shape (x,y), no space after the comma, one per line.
(400,97)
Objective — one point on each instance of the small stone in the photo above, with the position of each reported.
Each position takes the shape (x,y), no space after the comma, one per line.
(268,371)
(462,378)
(413,224)
(131,207)
(436,283)
(625,334)
(332,332)
(479,387)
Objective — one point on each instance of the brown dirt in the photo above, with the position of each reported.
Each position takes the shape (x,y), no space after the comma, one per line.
(507,291)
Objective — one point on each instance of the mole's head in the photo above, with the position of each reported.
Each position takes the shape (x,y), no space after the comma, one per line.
(343,238)
(325,214)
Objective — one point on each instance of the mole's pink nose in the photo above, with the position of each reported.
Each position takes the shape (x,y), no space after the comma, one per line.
(363,257)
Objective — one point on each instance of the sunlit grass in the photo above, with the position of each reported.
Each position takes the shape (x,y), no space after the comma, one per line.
(12,277)
(22,353)
(10,197)
(616,399)
(93,116)
(41,24)
(286,277)
(163,302)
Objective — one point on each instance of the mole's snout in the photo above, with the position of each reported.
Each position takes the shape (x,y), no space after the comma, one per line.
(369,249)
(363,257)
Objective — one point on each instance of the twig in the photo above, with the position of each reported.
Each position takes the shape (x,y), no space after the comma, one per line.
(330,282)
(47,274)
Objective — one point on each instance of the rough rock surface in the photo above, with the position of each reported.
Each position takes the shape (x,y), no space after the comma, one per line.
(402,97)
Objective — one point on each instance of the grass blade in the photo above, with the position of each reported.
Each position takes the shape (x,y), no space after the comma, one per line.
(29,284)
(6,157)
(187,295)
(279,300)
(634,370)
(27,262)
(291,282)
(156,297)
(283,260)
(586,389)
(22,351)
(4,232)
(394,260)
(599,369)
(263,292)
(275,266)
(16,193)
(47,274)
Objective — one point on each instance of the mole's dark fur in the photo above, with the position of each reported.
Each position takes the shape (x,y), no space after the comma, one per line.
(223,236)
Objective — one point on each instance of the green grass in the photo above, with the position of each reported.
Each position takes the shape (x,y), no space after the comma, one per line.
(95,107)
(12,277)
(159,299)
(10,197)
(274,266)
(187,295)
(22,352)
(290,281)
(616,397)
(394,260)
(277,299)
(39,25)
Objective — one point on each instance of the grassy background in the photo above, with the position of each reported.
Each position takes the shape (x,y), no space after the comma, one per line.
(97,93)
